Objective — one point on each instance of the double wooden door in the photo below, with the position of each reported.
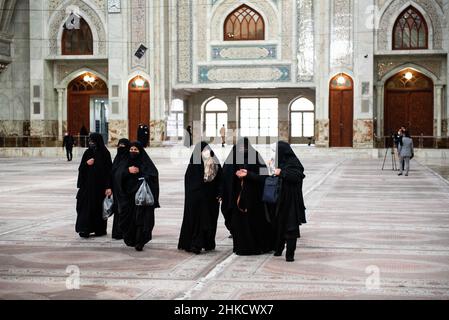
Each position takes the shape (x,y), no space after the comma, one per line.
(412,109)
(409,103)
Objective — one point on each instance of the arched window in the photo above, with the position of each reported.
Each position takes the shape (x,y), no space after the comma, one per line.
(215,115)
(77,39)
(175,122)
(410,31)
(302,118)
(244,23)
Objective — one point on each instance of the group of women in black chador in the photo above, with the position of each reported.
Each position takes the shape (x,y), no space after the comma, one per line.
(98,177)
(256,227)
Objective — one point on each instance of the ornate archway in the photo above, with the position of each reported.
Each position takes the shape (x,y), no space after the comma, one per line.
(80,92)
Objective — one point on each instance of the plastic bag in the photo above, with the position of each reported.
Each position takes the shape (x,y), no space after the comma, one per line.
(107,207)
(144,196)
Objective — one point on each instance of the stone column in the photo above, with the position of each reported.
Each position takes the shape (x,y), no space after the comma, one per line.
(438,109)
(61,93)
(380,111)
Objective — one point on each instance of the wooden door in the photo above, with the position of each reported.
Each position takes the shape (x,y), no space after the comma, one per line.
(138,105)
(78,102)
(78,111)
(138,111)
(341,112)
(420,113)
(409,103)
(397,102)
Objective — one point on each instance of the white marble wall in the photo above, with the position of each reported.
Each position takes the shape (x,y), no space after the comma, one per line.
(15,81)
(307,42)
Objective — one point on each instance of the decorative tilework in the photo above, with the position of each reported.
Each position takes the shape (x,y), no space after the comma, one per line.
(305,42)
(244,73)
(213,2)
(248,52)
(184,28)
(138,32)
(341,34)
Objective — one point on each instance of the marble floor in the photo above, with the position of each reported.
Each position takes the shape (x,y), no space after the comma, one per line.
(370,235)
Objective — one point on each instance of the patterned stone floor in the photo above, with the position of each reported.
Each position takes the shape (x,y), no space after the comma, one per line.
(371,235)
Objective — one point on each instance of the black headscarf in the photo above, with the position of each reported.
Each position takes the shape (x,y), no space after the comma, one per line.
(102,163)
(143,161)
(122,153)
(286,157)
(98,140)
(243,155)
(100,153)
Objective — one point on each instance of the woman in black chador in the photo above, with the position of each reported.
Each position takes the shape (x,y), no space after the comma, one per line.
(137,222)
(119,161)
(289,212)
(94,182)
(202,184)
(244,173)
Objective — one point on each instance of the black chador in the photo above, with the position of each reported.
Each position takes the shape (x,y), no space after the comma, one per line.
(289,212)
(137,222)
(242,204)
(143,134)
(202,184)
(94,181)
(120,160)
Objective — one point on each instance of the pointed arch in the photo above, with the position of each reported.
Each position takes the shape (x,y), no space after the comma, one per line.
(77,41)
(244,23)
(410,30)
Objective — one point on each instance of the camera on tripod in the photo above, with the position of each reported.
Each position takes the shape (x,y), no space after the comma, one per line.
(395,140)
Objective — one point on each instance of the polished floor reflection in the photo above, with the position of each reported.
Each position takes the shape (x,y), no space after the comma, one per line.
(371,235)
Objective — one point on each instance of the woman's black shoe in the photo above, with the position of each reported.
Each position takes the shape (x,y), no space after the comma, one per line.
(84,235)
(289,259)
(278,253)
(195,250)
(139,247)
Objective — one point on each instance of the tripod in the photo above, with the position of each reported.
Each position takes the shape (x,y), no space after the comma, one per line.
(394,166)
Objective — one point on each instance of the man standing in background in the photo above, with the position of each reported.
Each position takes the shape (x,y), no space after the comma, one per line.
(68,143)
(223,135)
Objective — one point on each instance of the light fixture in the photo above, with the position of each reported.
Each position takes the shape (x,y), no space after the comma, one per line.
(3,67)
(408,75)
(139,82)
(341,80)
(88,78)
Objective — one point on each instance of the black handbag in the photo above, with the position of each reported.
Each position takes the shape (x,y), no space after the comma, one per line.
(271,190)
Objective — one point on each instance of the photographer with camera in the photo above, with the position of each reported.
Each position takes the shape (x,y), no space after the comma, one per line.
(398,143)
